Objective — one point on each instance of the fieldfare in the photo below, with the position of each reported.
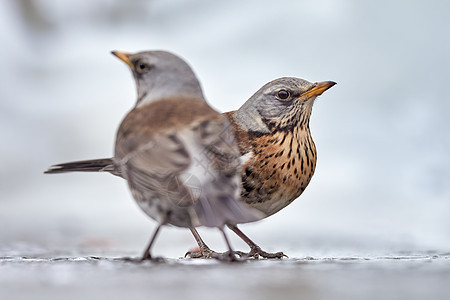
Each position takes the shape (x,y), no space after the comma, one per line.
(178,155)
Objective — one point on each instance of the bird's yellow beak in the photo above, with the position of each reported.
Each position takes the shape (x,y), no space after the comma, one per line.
(317,89)
(123,56)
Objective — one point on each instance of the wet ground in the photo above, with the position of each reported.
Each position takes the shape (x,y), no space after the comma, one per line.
(58,276)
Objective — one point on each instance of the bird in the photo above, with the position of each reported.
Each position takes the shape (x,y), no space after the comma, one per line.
(278,151)
(178,155)
(276,147)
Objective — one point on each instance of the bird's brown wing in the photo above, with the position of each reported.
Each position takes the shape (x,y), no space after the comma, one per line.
(220,202)
(152,168)
(193,164)
(150,147)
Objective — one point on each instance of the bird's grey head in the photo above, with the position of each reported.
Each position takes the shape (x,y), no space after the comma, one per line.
(159,75)
(282,103)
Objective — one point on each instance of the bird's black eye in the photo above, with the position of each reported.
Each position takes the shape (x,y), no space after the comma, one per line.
(141,66)
(283,94)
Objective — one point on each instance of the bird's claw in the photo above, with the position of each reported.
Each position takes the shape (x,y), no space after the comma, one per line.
(227,257)
(208,253)
(258,253)
(200,253)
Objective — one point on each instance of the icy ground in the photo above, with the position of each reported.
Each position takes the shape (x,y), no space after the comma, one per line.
(379,199)
(59,276)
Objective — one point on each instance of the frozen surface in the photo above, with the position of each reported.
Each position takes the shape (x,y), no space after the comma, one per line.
(375,216)
(112,277)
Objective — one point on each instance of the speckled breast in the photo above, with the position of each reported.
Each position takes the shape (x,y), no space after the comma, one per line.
(279,169)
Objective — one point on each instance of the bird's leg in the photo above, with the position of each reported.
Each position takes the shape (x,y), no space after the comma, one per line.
(147,255)
(255,250)
(204,252)
(226,256)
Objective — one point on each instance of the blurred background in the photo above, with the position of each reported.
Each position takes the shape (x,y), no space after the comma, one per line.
(382,180)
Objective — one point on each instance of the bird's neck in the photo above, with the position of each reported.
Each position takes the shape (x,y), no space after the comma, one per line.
(297,118)
(174,91)
(249,119)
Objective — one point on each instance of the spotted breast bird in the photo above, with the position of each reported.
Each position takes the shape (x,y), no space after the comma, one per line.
(277,151)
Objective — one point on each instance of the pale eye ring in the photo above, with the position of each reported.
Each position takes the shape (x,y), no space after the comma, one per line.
(283,94)
(142,67)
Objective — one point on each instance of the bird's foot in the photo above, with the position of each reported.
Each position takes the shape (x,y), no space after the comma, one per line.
(198,252)
(227,256)
(208,253)
(257,253)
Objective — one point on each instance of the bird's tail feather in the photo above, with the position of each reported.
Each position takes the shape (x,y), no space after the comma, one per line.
(93,165)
